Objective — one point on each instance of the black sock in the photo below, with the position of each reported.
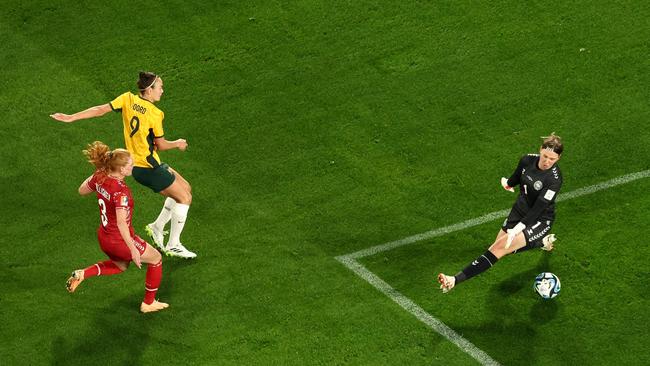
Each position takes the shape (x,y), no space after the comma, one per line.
(480,265)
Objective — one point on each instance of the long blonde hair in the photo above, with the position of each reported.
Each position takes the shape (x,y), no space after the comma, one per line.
(105,160)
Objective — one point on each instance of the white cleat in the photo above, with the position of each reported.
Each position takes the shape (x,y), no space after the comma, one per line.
(158,236)
(548,242)
(446,282)
(178,250)
(153,307)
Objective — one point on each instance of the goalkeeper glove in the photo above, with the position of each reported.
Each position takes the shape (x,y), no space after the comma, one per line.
(504,184)
(512,233)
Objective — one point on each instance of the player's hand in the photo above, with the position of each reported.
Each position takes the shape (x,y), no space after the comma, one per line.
(62,117)
(504,184)
(181,144)
(135,257)
(512,233)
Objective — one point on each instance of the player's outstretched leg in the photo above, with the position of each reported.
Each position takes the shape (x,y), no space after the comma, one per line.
(105,268)
(478,266)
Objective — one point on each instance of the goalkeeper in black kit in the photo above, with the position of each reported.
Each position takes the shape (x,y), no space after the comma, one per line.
(529,223)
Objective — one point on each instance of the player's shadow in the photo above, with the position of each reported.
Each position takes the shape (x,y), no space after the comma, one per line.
(510,324)
(119,333)
(543,311)
(111,338)
(516,324)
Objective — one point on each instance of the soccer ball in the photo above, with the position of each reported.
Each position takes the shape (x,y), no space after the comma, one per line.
(547,285)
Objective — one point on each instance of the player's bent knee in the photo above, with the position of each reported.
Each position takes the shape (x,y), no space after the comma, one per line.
(156,257)
(121,265)
(185,197)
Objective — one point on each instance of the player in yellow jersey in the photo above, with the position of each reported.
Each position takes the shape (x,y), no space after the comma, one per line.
(144,137)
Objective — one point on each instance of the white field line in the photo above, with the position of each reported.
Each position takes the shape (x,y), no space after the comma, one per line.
(413,308)
(350,261)
(493,216)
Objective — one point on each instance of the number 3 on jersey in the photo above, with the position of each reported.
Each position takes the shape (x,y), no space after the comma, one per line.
(102,212)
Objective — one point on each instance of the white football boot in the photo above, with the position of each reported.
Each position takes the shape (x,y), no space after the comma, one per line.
(548,242)
(158,236)
(446,282)
(178,250)
(153,307)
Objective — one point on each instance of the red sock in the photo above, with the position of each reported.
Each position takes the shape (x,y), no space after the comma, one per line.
(152,281)
(105,268)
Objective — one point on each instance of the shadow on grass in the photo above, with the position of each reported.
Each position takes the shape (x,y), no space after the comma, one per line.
(511,335)
(119,334)
(114,337)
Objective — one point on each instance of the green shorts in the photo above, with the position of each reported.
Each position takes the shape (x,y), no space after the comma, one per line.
(157,178)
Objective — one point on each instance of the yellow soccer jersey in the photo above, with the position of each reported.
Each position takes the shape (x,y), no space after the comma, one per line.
(142,123)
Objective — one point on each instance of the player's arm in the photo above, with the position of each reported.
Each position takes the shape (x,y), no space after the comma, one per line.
(84,188)
(545,199)
(162,144)
(96,111)
(121,214)
(515,178)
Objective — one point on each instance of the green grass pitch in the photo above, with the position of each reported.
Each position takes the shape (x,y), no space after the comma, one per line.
(316,129)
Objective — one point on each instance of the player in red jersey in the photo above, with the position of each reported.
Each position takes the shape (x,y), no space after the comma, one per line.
(115,233)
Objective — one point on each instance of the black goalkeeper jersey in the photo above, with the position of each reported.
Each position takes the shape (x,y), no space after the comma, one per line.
(538,190)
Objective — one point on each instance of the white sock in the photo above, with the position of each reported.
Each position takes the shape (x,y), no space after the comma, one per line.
(165,214)
(179,214)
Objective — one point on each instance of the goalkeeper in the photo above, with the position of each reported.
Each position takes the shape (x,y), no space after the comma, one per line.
(530,220)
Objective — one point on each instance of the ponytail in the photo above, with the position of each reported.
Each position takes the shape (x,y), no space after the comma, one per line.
(105,160)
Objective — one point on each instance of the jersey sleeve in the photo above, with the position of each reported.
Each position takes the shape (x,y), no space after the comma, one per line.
(120,200)
(91,183)
(158,125)
(515,178)
(546,197)
(118,103)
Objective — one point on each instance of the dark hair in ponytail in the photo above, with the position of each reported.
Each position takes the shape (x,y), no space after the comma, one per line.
(146,80)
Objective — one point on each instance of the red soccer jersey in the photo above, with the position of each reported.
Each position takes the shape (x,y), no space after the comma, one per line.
(112,194)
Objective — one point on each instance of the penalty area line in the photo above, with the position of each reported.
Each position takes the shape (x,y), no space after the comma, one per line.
(350,261)
(493,216)
(413,308)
